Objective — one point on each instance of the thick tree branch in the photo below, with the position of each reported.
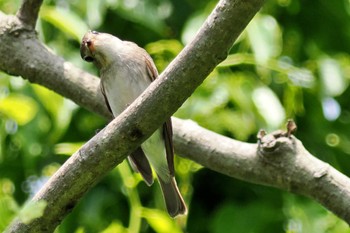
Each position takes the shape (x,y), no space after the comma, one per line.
(279,162)
(125,133)
(28,12)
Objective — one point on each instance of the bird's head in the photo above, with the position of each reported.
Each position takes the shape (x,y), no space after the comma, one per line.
(99,47)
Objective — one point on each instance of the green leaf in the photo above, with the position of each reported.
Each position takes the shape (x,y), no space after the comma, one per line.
(67,148)
(32,210)
(143,13)
(160,221)
(115,227)
(265,37)
(8,208)
(163,52)
(191,27)
(247,218)
(65,20)
(79,230)
(269,107)
(333,81)
(95,10)
(309,217)
(51,101)
(60,109)
(19,107)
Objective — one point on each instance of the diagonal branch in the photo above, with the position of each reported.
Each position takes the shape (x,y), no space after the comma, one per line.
(28,12)
(125,133)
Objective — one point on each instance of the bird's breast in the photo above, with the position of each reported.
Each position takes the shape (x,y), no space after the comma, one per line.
(123,84)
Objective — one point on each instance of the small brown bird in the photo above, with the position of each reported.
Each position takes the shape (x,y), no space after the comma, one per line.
(126,70)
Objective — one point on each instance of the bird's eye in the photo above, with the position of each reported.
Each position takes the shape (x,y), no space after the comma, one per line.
(94,32)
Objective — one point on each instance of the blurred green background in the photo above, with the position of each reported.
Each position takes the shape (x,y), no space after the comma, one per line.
(291,62)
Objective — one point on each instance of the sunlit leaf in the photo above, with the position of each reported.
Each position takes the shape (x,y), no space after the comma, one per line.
(130,179)
(298,76)
(67,148)
(162,46)
(143,13)
(9,6)
(32,210)
(269,107)
(20,108)
(332,78)
(163,52)
(301,77)
(6,187)
(94,12)
(80,230)
(191,27)
(50,169)
(59,108)
(65,20)
(232,216)
(115,227)
(51,100)
(160,221)
(8,209)
(309,217)
(265,37)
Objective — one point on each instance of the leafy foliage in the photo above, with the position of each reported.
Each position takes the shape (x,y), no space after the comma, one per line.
(291,62)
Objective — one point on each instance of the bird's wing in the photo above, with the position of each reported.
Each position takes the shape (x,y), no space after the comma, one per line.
(151,68)
(169,148)
(137,159)
(105,97)
(139,163)
(167,126)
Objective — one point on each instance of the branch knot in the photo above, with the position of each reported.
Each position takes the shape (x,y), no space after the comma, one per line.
(275,144)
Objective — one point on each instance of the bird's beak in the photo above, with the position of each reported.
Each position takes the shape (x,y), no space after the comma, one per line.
(87,46)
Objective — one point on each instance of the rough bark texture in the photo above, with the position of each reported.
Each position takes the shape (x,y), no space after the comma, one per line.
(280,162)
(28,13)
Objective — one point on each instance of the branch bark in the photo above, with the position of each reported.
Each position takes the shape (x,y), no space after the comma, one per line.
(278,161)
(28,12)
(289,166)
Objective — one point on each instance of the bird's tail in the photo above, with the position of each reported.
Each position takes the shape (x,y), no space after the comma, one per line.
(172,197)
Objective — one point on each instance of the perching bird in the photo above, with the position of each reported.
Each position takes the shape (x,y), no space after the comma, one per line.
(126,70)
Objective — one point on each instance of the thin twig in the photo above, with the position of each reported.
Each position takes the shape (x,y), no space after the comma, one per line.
(28,12)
